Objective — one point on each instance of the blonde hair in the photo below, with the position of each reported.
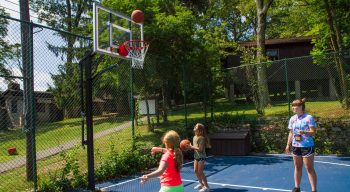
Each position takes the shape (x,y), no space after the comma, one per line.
(299,102)
(202,132)
(172,141)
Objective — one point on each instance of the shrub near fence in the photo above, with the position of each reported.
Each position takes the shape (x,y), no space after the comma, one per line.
(332,137)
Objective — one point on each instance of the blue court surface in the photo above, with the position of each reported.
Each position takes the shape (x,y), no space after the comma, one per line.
(250,173)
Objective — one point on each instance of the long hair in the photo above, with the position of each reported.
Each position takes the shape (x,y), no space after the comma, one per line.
(299,102)
(172,139)
(202,132)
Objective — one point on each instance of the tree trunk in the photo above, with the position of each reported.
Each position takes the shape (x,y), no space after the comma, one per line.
(149,125)
(165,103)
(336,46)
(263,92)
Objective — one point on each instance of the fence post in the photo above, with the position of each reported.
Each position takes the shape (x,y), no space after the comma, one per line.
(132,104)
(28,91)
(184,84)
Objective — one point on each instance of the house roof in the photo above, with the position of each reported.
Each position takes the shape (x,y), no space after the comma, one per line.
(278,41)
(19,93)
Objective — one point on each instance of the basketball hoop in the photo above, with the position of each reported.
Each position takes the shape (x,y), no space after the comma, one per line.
(137,50)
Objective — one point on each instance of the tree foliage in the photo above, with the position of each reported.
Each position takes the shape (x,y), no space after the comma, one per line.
(69,16)
(5,47)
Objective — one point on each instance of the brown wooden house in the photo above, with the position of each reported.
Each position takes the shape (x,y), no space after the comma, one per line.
(11,106)
(290,60)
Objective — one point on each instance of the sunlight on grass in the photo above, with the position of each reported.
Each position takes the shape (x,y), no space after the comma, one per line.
(53,134)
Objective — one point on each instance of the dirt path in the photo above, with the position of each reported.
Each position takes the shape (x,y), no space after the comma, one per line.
(21,161)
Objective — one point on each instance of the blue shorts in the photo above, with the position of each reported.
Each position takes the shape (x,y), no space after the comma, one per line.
(303,151)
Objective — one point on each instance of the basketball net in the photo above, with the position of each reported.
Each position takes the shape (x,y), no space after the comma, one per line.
(137,50)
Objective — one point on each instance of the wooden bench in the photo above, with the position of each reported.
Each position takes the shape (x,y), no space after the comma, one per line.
(230,143)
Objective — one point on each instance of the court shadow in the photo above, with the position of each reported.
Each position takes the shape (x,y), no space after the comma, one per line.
(250,160)
(220,163)
(228,190)
(347,158)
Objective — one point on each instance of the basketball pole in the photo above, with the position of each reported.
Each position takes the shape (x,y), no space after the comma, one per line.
(87,62)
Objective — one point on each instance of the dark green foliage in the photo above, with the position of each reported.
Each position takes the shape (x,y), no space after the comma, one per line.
(67,178)
(127,162)
(114,165)
(269,135)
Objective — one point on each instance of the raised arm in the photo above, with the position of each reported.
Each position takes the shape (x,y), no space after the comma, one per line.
(162,166)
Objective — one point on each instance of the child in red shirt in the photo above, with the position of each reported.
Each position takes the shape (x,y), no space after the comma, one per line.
(169,165)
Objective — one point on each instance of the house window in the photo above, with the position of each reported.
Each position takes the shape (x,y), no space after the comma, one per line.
(272,54)
(14,106)
(40,107)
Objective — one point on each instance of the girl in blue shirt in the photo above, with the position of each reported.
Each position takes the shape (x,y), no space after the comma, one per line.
(302,128)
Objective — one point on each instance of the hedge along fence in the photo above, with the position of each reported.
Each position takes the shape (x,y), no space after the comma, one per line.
(332,137)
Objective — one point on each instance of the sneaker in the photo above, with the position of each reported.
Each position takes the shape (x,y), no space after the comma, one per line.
(204,189)
(199,186)
(296,189)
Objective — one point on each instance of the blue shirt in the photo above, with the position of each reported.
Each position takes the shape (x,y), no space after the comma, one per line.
(302,123)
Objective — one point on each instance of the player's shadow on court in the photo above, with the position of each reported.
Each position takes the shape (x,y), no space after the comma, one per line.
(218,164)
(344,158)
(228,190)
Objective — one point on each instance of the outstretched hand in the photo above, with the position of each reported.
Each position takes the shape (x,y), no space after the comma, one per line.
(143,179)
(188,146)
(154,150)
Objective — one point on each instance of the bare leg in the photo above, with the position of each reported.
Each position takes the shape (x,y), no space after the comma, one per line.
(201,172)
(298,165)
(309,166)
(196,171)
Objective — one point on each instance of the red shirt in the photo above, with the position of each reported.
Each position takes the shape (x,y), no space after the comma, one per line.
(170,177)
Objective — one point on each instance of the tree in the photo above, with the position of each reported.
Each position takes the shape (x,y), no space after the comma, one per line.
(261,9)
(69,16)
(334,23)
(5,47)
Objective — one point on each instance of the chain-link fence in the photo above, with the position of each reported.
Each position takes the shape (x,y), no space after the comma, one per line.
(261,94)
(42,104)
(43,109)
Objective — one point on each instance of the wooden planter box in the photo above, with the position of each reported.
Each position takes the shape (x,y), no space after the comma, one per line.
(230,143)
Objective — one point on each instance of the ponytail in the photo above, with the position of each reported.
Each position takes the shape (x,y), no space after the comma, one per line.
(172,139)
(178,159)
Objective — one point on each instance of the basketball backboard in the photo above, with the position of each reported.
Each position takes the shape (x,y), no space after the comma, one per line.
(112,29)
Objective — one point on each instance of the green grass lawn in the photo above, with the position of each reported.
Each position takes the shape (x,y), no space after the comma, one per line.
(122,140)
(52,134)
(321,109)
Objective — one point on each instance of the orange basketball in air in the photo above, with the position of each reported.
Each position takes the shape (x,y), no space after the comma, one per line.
(137,16)
(123,51)
(184,144)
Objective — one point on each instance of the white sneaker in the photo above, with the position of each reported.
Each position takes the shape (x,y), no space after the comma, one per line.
(204,189)
(199,186)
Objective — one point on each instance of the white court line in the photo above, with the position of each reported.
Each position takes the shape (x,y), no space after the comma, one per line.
(127,181)
(263,188)
(104,188)
(341,164)
(241,186)
(288,155)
